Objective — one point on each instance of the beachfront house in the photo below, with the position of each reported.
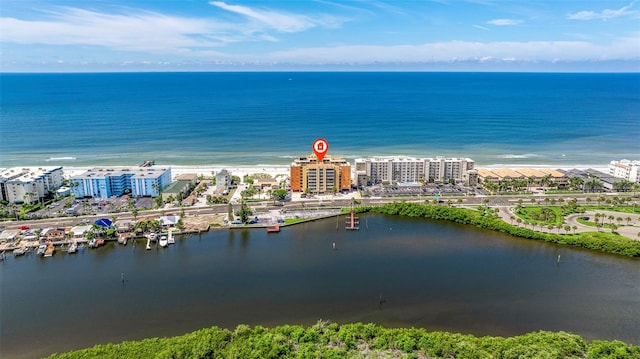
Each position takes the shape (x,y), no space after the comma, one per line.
(223,180)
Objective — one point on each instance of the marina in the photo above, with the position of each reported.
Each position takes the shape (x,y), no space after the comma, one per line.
(434,275)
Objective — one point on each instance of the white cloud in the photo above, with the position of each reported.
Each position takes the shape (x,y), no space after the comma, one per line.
(451,51)
(136,30)
(604,14)
(280,21)
(140,31)
(504,22)
(481,27)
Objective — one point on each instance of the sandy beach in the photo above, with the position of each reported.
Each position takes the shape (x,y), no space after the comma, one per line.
(283,170)
(204,170)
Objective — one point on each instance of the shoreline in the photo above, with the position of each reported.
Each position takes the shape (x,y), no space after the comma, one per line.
(279,170)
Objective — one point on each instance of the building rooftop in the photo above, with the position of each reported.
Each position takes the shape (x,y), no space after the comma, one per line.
(177,187)
(193,177)
(136,172)
(26,174)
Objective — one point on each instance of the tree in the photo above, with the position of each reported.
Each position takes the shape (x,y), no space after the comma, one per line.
(574,227)
(623,185)
(593,184)
(230,212)
(576,183)
(244,212)
(278,195)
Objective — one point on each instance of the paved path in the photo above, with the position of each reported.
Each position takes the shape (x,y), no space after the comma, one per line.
(630,231)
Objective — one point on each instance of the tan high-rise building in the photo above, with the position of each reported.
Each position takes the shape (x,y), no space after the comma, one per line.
(332,174)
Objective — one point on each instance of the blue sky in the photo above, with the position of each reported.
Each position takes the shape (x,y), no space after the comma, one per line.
(449,35)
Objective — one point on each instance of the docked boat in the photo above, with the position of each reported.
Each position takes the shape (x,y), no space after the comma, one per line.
(20,251)
(41,249)
(170,239)
(163,241)
(122,239)
(73,248)
(273,229)
(148,243)
(153,237)
(48,252)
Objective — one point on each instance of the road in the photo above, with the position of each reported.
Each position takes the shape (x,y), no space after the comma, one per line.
(503,203)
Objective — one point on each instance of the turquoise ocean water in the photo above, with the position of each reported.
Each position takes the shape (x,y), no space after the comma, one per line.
(272,117)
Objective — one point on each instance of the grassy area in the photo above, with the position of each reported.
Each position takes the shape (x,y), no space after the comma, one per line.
(547,215)
(623,209)
(295,220)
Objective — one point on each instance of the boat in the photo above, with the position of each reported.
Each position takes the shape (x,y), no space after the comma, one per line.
(41,249)
(171,240)
(122,239)
(73,248)
(20,251)
(273,229)
(48,252)
(152,237)
(148,243)
(163,241)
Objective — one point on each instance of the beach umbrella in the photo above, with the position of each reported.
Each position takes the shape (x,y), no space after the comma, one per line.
(103,222)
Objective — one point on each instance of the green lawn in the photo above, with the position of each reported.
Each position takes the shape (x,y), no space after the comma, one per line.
(295,220)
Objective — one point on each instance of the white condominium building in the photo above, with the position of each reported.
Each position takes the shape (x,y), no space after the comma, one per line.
(371,171)
(104,182)
(29,184)
(629,170)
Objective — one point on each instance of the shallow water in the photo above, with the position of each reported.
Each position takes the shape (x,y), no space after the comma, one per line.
(436,275)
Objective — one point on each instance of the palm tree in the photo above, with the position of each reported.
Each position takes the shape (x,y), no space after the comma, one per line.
(574,227)
(545,181)
(593,183)
(576,183)
(628,219)
(623,185)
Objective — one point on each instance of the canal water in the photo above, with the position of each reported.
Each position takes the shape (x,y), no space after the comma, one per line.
(429,274)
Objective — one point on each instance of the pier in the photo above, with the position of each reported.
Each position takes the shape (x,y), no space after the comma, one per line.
(353,222)
(148,163)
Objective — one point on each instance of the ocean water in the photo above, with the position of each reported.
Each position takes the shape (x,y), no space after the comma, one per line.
(270,118)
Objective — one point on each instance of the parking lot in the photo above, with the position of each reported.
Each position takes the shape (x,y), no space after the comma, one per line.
(66,207)
(416,190)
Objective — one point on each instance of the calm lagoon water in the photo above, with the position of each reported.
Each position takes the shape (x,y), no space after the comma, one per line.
(435,275)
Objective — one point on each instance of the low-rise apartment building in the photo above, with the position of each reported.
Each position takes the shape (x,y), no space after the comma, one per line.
(29,184)
(625,169)
(371,171)
(104,182)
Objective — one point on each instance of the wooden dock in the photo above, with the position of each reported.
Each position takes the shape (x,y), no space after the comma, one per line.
(353,222)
